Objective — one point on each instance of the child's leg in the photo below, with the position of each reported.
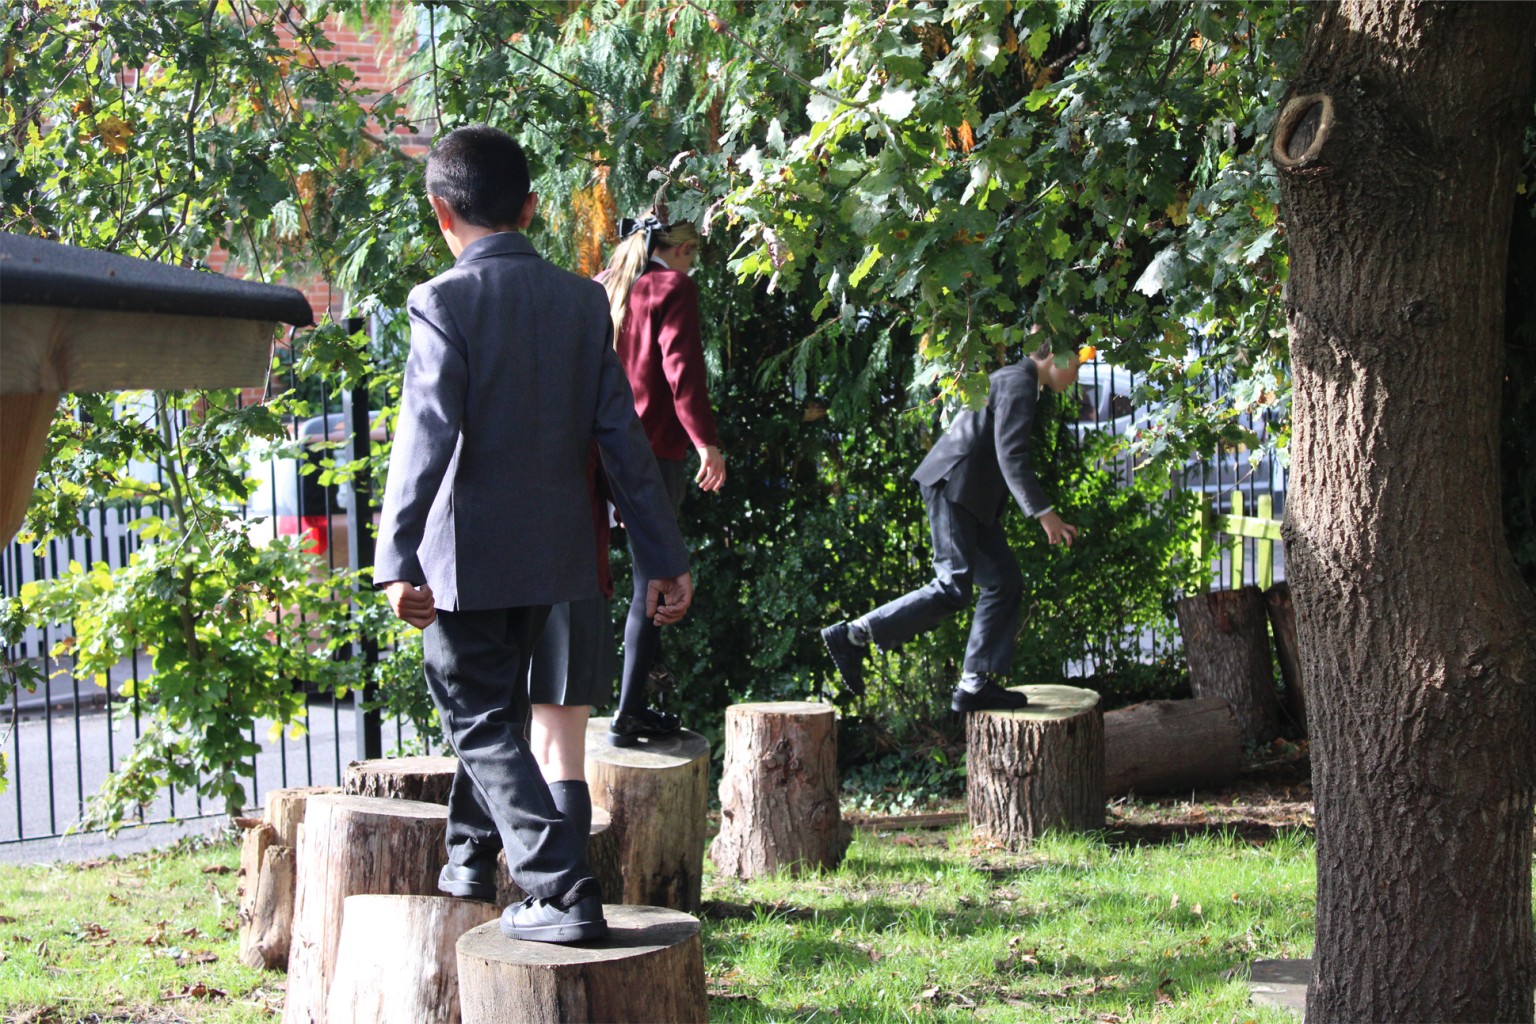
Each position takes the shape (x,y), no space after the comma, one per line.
(558,735)
(476,669)
(995,626)
(954,532)
(642,637)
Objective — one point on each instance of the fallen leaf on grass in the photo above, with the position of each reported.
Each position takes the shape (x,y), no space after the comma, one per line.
(217,869)
(868,950)
(7,920)
(1160,994)
(197,990)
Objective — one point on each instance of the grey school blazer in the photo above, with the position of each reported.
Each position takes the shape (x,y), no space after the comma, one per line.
(985,453)
(511,374)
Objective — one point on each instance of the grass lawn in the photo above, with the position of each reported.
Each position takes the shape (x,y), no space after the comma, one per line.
(917,925)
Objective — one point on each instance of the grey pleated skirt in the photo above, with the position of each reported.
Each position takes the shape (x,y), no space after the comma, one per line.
(575,661)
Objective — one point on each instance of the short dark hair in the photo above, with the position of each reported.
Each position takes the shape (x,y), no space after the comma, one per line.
(482,173)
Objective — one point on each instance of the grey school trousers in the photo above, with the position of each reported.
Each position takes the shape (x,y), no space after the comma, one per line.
(966,552)
(477,672)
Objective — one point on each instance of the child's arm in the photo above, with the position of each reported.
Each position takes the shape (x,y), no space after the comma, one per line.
(431,413)
(1013,401)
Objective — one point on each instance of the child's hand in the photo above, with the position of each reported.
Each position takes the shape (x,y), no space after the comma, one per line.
(412,604)
(1056,531)
(711,474)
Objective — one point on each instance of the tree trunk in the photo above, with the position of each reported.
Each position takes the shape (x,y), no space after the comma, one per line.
(1282,622)
(1397,150)
(651,968)
(1226,639)
(1171,746)
(779,791)
(352,845)
(656,796)
(1038,768)
(397,963)
(402,778)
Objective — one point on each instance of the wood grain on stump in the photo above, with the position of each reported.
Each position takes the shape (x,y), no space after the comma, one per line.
(602,857)
(1170,746)
(1226,640)
(396,962)
(285,809)
(650,968)
(353,845)
(402,778)
(1038,768)
(779,791)
(656,795)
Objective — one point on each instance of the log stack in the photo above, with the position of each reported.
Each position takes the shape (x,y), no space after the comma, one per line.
(266,881)
(1226,639)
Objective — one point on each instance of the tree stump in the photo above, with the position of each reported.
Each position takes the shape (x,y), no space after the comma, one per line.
(602,855)
(650,968)
(402,778)
(1282,621)
(396,961)
(1226,640)
(266,881)
(1038,768)
(285,809)
(353,845)
(779,791)
(1167,746)
(656,795)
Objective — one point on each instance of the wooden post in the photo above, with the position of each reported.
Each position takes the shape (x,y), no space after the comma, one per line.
(1038,768)
(656,795)
(1169,746)
(602,857)
(1226,640)
(779,791)
(24,420)
(402,778)
(650,968)
(1282,621)
(396,962)
(352,845)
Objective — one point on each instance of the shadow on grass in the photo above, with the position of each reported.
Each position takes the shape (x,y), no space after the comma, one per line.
(1256,833)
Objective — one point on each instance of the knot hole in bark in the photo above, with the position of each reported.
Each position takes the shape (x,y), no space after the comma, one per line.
(1303,130)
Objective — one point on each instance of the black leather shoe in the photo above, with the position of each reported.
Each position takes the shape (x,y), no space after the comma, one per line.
(628,728)
(473,881)
(546,921)
(988,697)
(846,655)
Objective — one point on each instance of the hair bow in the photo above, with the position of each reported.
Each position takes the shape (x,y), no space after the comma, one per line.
(650,224)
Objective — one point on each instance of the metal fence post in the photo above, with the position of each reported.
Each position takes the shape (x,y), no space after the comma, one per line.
(354,407)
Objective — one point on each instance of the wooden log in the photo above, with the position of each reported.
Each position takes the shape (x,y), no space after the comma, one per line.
(1040,767)
(650,968)
(353,845)
(656,795)
(402,778)
(779,791)
(602,856)
(1226,640)
(1170,746)
(396,962)
(24,421)
(1282,622)
(285,809)
(265,937)
(254,840)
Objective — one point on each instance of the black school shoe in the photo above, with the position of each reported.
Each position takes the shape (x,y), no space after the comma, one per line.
(546,921)
(473,881)
(628,729)
(846,655)
(988,697)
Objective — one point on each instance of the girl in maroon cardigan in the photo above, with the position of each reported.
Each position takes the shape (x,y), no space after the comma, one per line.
(655,310)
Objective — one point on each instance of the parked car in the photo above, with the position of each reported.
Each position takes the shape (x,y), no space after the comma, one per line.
(289,501)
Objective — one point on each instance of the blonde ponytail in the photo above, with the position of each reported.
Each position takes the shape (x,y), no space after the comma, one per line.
(633,253)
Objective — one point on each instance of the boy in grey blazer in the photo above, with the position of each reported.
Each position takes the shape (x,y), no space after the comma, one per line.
(966,480)
(486,518)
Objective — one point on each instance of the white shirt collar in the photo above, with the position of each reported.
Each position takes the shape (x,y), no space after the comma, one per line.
(660,262)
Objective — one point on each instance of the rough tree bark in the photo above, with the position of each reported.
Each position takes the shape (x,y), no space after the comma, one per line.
(1397,148)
